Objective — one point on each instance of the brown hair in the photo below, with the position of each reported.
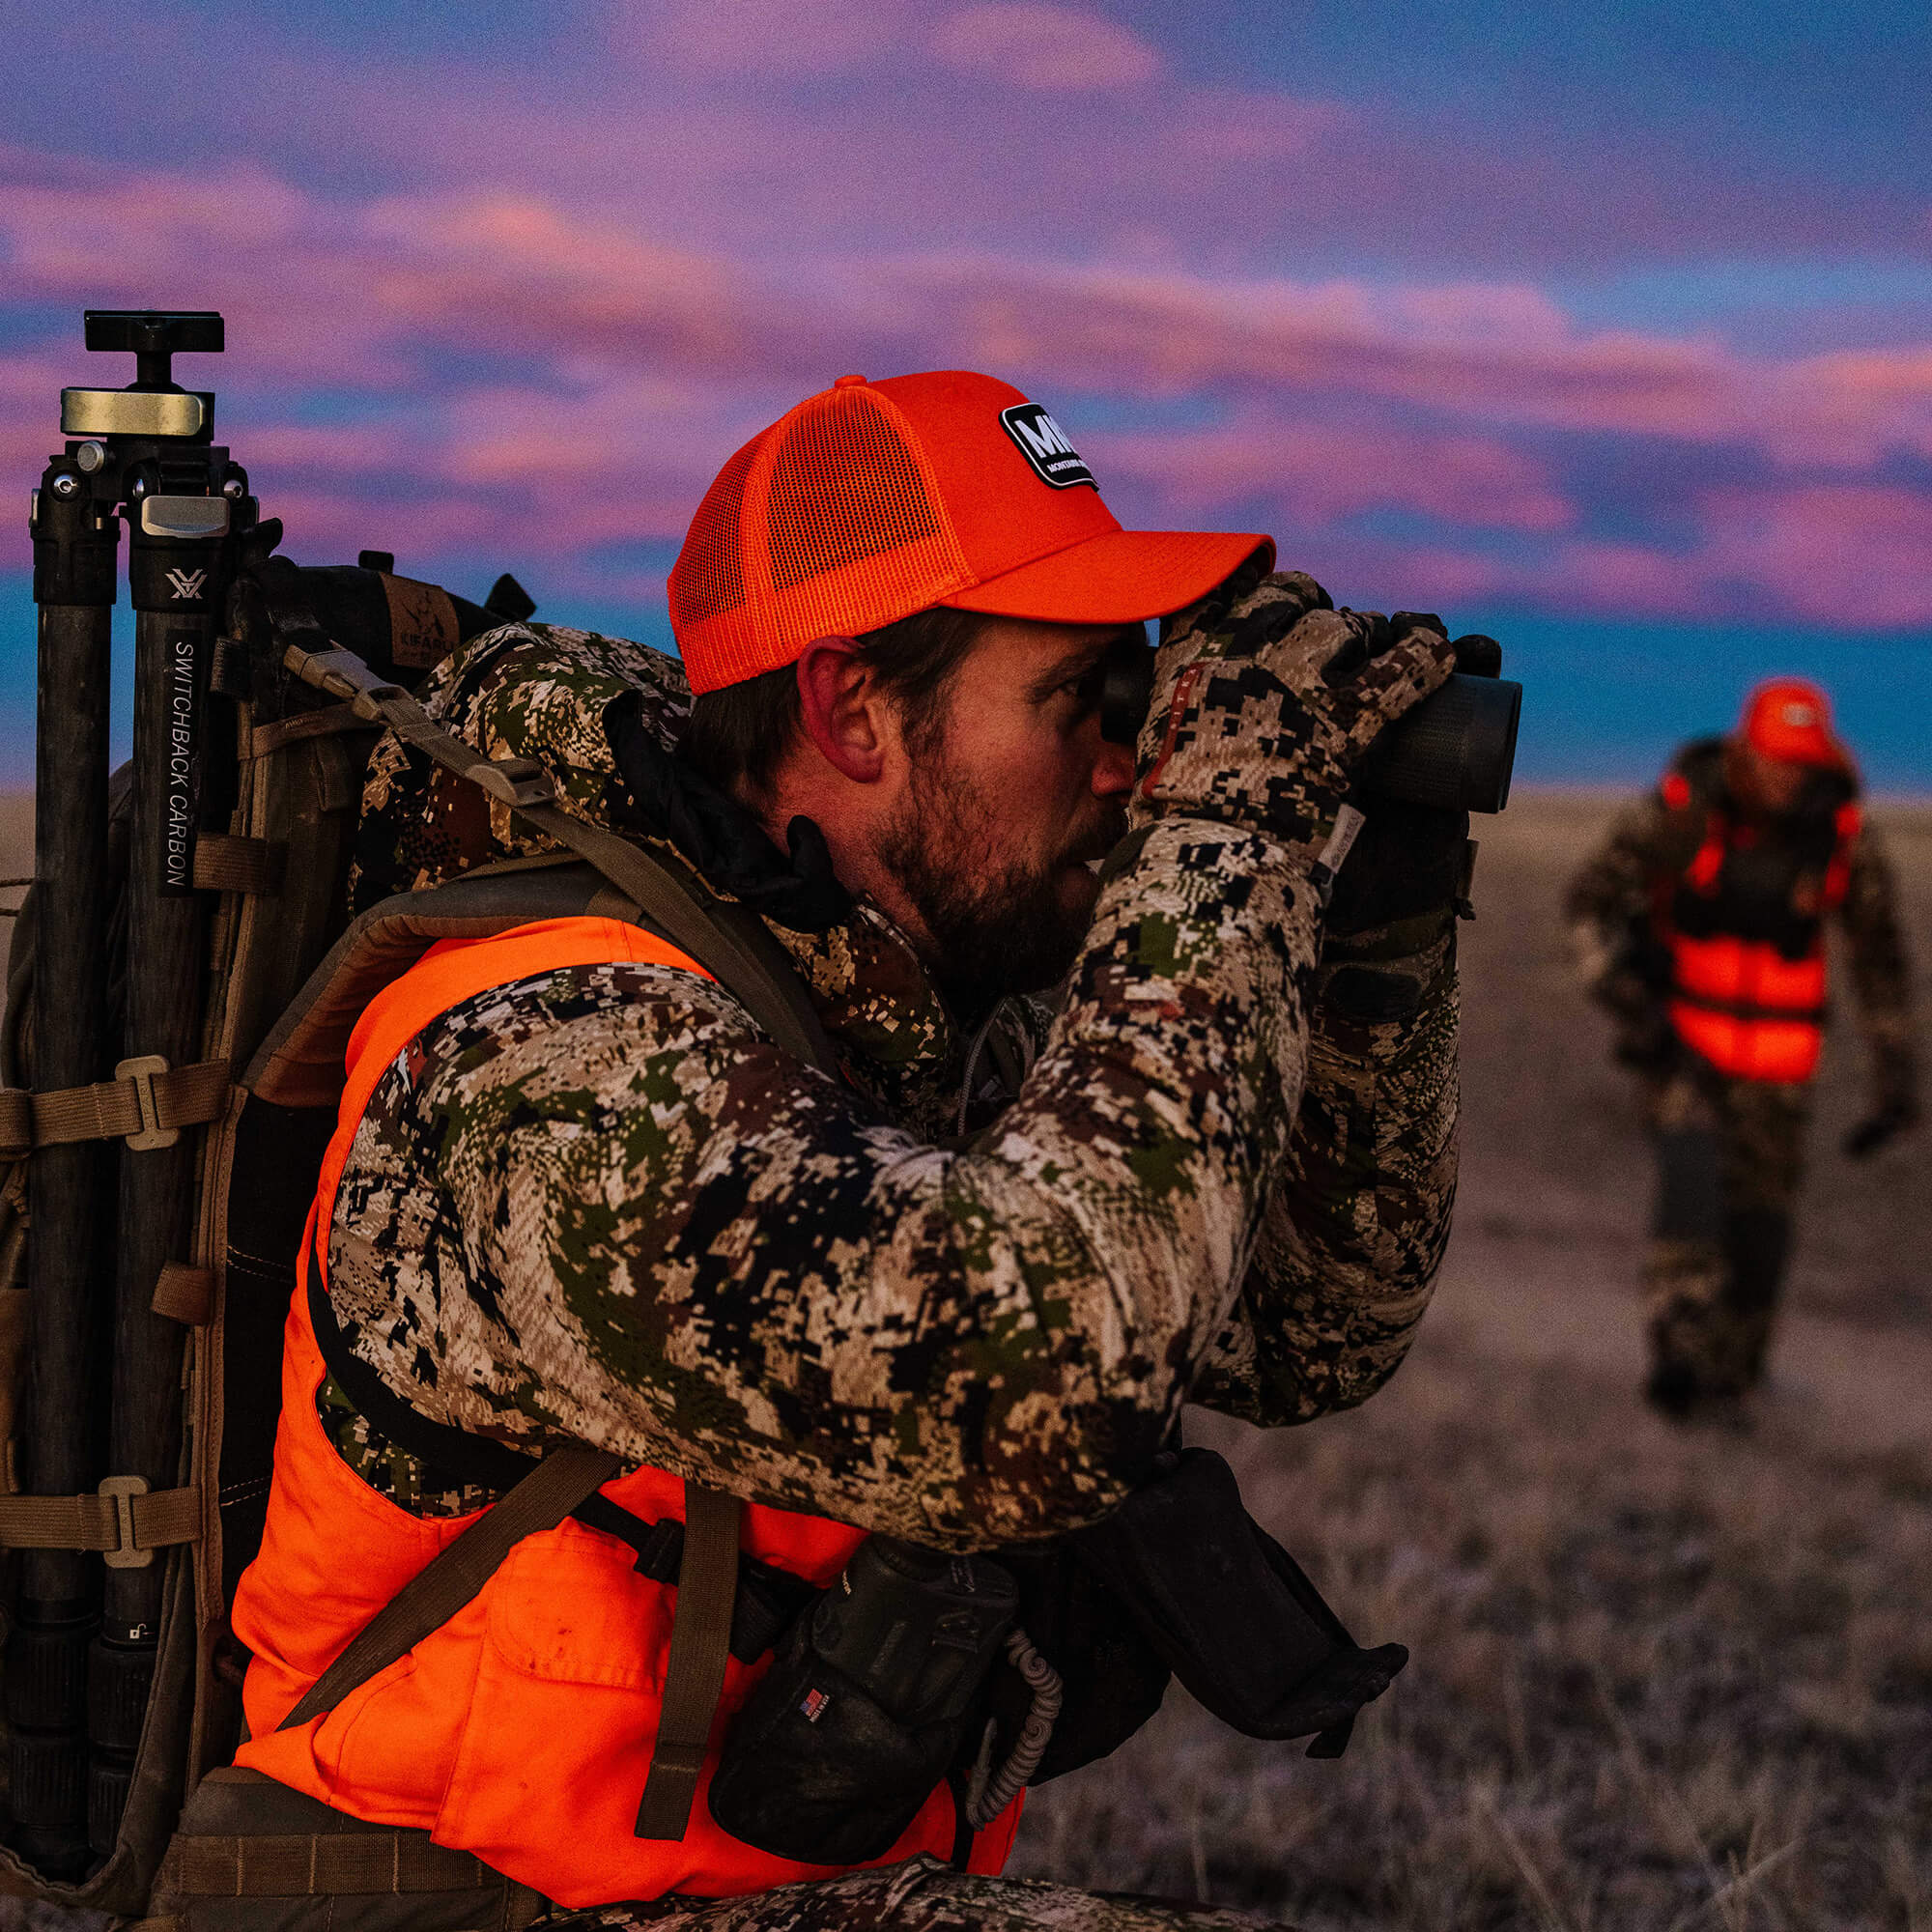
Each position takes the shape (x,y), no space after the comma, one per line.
(738,734)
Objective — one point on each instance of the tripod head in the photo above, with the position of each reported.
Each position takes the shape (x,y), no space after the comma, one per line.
(154,405)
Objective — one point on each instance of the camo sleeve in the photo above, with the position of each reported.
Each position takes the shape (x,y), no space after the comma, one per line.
(1880,973)
(1352,1237)
(597,1205)
(1609,900)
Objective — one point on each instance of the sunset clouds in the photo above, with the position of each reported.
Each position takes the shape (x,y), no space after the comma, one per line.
(493,305)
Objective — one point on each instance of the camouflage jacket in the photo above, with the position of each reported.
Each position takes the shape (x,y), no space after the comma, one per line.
(958,1304)
(1612,904)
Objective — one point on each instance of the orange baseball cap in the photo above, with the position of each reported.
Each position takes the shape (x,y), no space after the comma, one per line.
(1790,718)
(872,500)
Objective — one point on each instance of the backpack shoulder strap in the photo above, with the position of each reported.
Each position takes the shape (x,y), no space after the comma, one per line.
(730,943)
(299,1063)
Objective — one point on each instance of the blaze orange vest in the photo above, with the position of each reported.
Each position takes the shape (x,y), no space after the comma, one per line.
(521,1730)
(1750,1008)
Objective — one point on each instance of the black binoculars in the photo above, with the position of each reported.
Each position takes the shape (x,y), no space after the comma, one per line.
(1455,751)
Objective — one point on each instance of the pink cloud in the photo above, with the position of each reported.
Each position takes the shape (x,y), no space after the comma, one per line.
(1171,332)
(1826,551)
(1618,579)
(1321,473)
(618,368)
(1024,43)
(1032,43)
(799,37)
(1847,409)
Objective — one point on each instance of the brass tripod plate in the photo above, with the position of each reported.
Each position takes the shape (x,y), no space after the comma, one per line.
(179,413)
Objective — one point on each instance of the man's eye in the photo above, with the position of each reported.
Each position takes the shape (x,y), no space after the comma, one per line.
(1085,689)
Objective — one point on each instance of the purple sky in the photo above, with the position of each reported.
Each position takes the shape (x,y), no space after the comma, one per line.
(1625,315)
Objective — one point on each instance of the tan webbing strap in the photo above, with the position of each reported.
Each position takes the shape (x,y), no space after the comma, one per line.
(677,905)
(118,1525)
(226,862)
(313,1864)
(150,1101)
(701,1640)
(329,723)
(733,948)
(435,1593)
(185,1293)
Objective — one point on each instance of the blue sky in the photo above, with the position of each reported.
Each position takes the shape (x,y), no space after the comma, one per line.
(1607,328)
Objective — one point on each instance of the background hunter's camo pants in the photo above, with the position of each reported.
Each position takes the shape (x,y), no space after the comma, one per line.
(920,1895)
(1730,1155)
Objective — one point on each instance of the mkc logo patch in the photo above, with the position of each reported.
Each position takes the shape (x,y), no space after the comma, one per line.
(1043,443)
(187,584)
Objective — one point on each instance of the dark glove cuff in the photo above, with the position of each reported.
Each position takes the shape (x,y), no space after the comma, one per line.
(1373,978)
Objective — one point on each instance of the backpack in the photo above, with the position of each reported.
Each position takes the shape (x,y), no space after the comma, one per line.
(288,973)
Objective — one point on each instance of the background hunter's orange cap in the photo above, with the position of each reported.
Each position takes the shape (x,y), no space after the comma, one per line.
(1790,718)
(872,500)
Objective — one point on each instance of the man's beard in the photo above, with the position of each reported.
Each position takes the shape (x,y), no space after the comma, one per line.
(994,931)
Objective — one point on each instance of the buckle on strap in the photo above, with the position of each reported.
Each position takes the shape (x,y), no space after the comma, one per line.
(140,1072)
(123,1520)
(516,782)
(126,1555)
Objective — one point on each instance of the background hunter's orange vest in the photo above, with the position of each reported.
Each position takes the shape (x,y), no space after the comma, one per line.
(521,1730)
(1746,929)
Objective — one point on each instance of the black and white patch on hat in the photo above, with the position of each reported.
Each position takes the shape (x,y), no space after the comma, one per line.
(1043,443)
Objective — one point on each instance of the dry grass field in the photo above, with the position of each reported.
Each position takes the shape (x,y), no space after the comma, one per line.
(1662,1679)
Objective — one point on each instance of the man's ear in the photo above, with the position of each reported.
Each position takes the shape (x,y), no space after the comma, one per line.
(842,709)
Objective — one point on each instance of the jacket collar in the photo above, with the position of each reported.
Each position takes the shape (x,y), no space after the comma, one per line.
(897,1040)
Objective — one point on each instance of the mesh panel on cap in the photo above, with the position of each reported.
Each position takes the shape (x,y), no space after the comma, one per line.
(880,503)
(710,577)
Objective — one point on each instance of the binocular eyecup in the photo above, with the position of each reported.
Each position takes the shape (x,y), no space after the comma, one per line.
(1455,752)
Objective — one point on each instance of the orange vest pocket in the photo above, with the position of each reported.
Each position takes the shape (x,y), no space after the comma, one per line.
(568,1607)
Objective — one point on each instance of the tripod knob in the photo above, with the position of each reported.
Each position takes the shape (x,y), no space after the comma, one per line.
(155,336)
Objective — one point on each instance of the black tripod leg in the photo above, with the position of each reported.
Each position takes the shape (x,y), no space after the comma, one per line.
(175,583)
(70,1186)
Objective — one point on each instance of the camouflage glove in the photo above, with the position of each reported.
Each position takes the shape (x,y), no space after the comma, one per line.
(1266,697)
(1408,875)
(1895,1108)
(1875,1130)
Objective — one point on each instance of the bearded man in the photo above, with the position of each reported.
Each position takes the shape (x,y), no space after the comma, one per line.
(950,1286)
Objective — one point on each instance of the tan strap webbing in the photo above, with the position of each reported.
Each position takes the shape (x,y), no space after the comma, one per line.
(701,1640)
(243,1836)
(185,1293)
(330,723)
(437,1591)
(116,1523)
(307,1865)
(183,1096)
(227,863)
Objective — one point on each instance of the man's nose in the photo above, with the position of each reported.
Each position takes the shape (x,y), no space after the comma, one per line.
(1112,770)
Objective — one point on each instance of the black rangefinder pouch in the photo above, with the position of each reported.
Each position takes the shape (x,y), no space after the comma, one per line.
(1182,1581)
(1229,1611)
(865,1707)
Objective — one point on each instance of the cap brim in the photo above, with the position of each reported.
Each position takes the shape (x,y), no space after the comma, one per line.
(1824,754)
(1120,577)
